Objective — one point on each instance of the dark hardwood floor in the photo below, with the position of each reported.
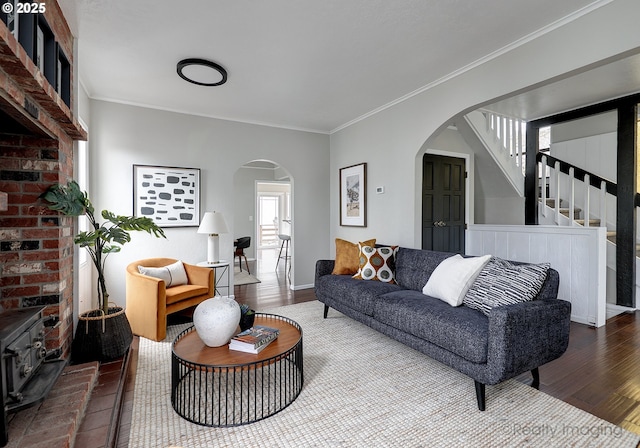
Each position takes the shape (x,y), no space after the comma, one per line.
(599,373)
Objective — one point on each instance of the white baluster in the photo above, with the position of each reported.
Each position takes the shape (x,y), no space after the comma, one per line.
(603,203)
(503,134)
(523,141)
(507,137)
(487,120)
(557,176)
(572,197)
(587,192)
(543,171)
(518,141)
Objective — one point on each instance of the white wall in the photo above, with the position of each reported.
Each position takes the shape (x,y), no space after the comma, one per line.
(585,127)
(390,139)
(123,135)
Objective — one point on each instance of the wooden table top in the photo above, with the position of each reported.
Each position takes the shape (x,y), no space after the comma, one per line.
(190,347)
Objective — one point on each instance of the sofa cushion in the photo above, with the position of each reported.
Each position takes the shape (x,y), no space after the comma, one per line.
(348,256)
(356,294)
(377,263)
(179,293)
(451,280)
(503,283)
(173,274)
(461,330)
(414,266)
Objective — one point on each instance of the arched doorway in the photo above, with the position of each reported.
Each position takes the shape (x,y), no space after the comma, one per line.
(263,209)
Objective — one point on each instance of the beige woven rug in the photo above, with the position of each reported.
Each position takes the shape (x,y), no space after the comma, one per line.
(244,278)
(363,389)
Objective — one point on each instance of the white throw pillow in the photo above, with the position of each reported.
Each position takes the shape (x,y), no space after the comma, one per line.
(453,277)
(173,274)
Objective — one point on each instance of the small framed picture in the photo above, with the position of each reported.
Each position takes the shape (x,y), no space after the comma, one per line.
(170,196)
(353,195)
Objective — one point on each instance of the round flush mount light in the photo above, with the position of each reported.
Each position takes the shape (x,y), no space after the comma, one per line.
(202,72)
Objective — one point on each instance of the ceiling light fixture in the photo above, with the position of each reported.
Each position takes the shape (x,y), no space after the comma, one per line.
(202,72)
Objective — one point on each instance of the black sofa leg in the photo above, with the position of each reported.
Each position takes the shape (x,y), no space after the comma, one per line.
(536,378)
(480,395)
(326,310)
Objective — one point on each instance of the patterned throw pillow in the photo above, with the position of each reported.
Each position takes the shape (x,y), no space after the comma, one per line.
(377,263)
(504,283)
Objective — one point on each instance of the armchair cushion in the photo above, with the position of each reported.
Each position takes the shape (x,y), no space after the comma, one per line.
(178,293)
(173,274)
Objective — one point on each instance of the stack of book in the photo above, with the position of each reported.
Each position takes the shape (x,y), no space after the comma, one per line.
(253,340)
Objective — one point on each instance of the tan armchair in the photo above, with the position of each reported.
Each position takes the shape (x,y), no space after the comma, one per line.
(149,301)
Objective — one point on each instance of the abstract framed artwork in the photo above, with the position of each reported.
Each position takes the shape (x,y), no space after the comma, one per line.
(353,195)
(168,195)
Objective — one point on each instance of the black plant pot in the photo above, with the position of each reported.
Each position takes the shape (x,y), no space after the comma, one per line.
(101,338)
(246,320)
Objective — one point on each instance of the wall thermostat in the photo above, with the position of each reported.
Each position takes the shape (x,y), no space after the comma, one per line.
(379,190)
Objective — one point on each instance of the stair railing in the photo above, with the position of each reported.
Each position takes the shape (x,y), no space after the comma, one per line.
(559,168)
(510,133)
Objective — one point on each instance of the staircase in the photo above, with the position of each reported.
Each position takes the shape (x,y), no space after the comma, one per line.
(586,199)
(504,138)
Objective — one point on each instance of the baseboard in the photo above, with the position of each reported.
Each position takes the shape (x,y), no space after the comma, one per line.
(298,287)
(614,310)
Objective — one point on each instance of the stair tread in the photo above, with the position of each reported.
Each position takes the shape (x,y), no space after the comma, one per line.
(594,222)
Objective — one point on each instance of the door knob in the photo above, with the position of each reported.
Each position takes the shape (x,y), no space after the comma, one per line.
(439,224)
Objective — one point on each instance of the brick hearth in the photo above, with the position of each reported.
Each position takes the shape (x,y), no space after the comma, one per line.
(84,408)
(55,422)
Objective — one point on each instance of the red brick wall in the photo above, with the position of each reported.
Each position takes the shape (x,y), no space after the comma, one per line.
(36,245)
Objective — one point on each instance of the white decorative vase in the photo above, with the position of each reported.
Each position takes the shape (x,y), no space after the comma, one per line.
(216,320)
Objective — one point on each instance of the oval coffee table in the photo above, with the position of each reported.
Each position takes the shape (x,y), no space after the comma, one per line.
(215,386)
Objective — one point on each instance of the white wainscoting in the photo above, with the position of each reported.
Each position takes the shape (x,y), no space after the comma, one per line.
(577,253)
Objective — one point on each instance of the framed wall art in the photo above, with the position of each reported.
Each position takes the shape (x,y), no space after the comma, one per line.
(353,195)
(168,195)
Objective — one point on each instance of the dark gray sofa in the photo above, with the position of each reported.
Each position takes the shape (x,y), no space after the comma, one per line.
(490,349)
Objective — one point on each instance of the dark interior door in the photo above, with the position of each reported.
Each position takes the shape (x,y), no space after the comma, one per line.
(443,201)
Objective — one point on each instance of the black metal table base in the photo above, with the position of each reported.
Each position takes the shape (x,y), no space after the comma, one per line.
(239,394)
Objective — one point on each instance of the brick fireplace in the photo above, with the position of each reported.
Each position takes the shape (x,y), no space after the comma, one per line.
(37,130)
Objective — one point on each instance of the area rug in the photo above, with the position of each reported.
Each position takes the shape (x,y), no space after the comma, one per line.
(243,278)
(363,389)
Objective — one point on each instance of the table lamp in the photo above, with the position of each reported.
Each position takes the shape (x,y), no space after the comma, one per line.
(213,223)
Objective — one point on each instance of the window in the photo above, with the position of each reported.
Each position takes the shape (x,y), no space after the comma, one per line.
(82,177)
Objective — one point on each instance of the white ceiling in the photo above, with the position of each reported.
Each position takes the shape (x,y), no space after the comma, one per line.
(613,80)
(301,64)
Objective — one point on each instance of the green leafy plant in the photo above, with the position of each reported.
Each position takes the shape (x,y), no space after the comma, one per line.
(103,239)
(246,310)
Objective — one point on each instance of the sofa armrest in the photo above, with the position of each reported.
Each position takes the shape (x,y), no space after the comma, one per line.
(526,335)
(324,267)
(549,290)
(200,275)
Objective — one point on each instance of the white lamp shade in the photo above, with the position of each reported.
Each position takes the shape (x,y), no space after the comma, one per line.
(213,223)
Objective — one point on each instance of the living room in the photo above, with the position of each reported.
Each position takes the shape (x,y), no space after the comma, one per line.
(302,116)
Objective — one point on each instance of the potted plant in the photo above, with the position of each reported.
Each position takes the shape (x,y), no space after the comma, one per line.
(104,333)
(247,317)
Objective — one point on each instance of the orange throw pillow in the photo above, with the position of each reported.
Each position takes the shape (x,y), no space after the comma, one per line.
(348,256)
